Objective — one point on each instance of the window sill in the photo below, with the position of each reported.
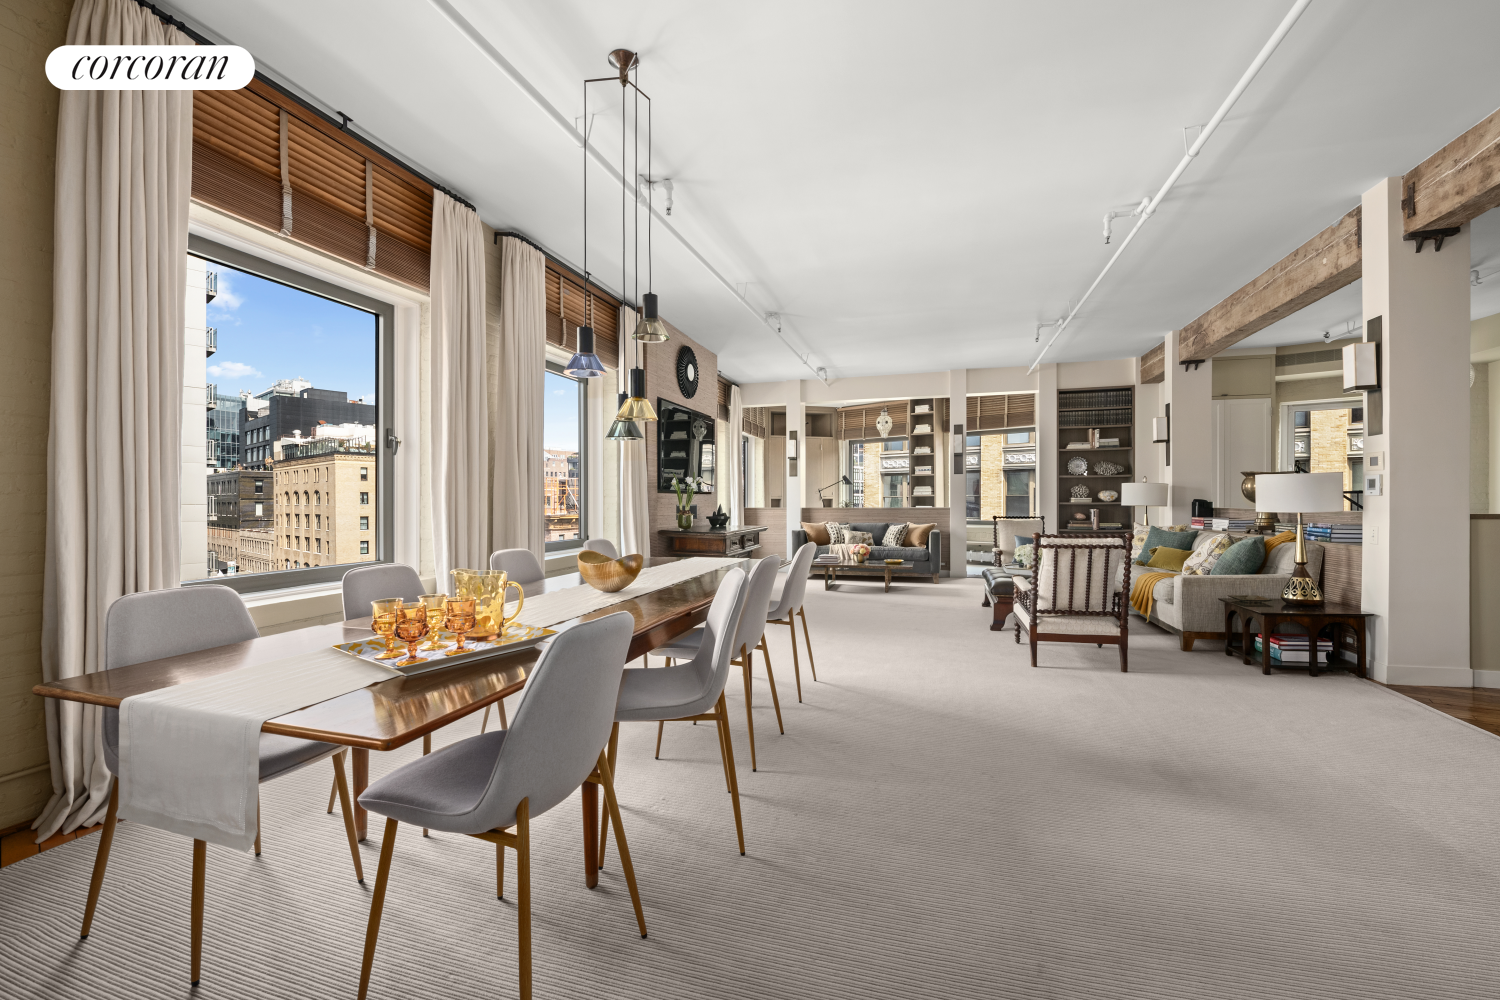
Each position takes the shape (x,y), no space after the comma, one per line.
(291,608)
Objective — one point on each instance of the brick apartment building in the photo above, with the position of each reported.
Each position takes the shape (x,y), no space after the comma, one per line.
(325,504)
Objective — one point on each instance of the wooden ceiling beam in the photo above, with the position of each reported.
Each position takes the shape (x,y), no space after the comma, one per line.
(1154,365)
(1322,265)
(1456,184)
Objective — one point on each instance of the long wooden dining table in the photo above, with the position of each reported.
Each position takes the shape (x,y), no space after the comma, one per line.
(390,714)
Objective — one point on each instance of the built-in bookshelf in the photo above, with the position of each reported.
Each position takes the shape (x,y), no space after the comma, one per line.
(924,472)
(1103,418)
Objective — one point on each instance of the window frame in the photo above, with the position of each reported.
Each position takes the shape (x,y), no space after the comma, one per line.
(563,544)
(385,381)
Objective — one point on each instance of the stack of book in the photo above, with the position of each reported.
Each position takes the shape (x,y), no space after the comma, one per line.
(1108,442)
(1230,523)
(1293,648)
(1199,522)
(1079,445)
(1350,533)
(1110,525)
(921,491)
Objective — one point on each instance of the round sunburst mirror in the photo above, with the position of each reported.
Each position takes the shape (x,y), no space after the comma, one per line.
(687,372)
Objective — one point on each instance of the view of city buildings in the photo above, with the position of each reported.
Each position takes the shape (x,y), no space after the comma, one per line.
(560,503)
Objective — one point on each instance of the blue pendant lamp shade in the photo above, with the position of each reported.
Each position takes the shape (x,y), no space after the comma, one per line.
(624,430)
(650,329)
(585,363)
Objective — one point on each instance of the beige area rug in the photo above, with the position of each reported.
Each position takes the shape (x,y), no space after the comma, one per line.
(940,820)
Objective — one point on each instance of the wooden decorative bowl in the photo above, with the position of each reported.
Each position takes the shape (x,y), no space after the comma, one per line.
(609,575)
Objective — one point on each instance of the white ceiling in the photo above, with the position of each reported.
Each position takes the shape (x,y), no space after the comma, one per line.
(912,186)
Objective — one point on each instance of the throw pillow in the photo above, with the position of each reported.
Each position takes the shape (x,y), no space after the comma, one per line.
(916,534)
(1023,555)
(895,536)
(1166,558)
(1159,536)
(1138,541)
(1244,556)
(817,533)
(836,533)
(1206,551)
(859,538)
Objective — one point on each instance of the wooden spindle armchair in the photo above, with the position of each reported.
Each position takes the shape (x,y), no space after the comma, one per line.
(1079,591)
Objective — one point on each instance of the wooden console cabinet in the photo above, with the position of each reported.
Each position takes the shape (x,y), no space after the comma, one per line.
(708,542)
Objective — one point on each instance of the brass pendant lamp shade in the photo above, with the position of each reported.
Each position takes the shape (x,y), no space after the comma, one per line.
(624,430)
(650,329)
(636,407)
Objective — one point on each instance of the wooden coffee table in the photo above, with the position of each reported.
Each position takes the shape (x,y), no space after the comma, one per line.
(1313,618)
(831,571)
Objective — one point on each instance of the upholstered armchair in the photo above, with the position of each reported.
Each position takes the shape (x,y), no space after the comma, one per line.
(1007,528)
(1074,595)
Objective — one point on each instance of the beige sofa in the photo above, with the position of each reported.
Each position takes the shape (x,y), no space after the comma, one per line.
(1189,605)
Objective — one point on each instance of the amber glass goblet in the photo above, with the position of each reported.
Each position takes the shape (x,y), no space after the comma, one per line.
(411,628)
(459,617)
(384,613)
(436,613)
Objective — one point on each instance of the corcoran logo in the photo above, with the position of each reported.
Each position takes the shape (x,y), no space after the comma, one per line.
(150,67)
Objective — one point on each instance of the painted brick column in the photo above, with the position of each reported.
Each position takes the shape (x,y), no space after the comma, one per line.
(1189,472)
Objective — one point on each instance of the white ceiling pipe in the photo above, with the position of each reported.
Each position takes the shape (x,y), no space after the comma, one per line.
(505,66)
(1193,151)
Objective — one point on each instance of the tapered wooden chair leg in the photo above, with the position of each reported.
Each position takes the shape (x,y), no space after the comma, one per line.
(523,894)
(200,864)
(499,871)
(734,784)
(796,667)
(722,759)
(661,727)
(808,640)
(613,750)
(377,904)
(765,651)
(607,779)
(341,786)
(101,860)
(749,717)
(485,721)
(333,796)
(257,822)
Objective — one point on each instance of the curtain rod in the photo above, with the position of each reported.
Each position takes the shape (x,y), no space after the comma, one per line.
(202,39)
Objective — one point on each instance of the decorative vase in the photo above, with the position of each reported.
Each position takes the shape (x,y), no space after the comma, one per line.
(718,519)
(684,519)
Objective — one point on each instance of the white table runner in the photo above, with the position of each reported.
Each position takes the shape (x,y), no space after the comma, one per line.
(190,754)
(562,605)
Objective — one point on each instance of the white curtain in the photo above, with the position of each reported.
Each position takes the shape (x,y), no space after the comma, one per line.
(458,419)
(635,496)
(114,453)
(520,354)
(729,459)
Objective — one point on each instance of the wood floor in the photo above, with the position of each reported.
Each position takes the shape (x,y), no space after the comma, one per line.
(1476,706)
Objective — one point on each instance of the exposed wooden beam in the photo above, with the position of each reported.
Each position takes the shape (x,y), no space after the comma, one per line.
(1456,184)
(1324,264)
(1154,365)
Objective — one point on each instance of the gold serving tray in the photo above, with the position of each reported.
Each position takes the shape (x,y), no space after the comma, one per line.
(516,638)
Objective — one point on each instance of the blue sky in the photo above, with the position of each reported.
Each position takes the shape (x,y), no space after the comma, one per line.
(268,331)
(560,409)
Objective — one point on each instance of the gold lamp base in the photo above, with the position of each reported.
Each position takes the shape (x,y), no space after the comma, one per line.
(1302,588)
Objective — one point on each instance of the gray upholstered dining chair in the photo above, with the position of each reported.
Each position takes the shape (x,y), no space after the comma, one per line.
(603,546)
(485,785)
(689,692)
(374,583)
(750,636)
(520,565)
(161,623)
(789,607)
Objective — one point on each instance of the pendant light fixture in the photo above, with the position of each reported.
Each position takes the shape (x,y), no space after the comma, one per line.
(650,330)
(584,363)
(635,406)
(624,430)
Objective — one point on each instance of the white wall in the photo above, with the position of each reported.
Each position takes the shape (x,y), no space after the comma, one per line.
(1242,433)
(1190,473)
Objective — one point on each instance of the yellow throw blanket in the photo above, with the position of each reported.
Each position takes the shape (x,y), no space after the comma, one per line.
(1281,539)
(1141,589)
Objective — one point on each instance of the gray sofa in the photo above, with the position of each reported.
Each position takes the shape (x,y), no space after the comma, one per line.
(925,561)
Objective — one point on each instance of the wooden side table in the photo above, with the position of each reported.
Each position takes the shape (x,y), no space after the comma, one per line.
(707,542)
(1314,619)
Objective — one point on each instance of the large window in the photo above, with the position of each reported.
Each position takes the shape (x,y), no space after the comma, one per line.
(564,412)
(1326,436)
(1000,474)
(879,470)
(297,384)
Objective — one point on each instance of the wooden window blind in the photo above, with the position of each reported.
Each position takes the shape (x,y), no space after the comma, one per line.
(724,385)
(756,420)
(1013,409)
(565,314)
(263,157)
(857,423)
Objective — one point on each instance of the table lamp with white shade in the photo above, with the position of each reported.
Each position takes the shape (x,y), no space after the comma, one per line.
(1305,493)
(1146,495)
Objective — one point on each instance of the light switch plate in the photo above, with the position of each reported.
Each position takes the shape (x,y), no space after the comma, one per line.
(1374,481)
(1375,461)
